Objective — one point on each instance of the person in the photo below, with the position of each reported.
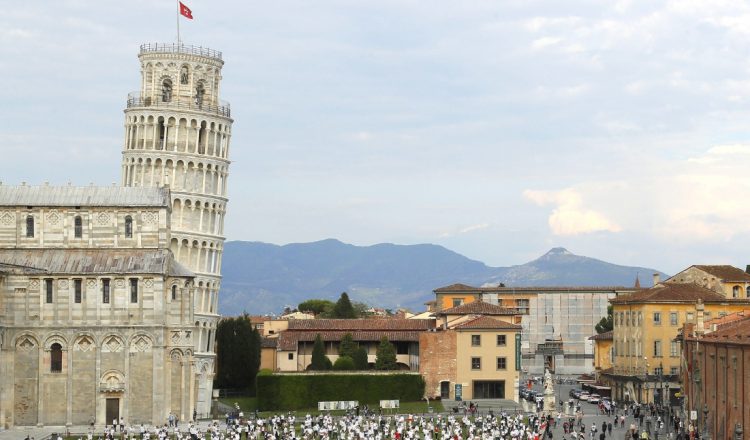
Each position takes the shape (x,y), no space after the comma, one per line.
(609,428)
(122,424)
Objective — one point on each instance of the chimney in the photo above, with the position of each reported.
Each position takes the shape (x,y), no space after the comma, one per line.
(700,328)
(656,279)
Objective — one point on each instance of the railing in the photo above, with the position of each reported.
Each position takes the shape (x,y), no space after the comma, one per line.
(135,99)
(180,48)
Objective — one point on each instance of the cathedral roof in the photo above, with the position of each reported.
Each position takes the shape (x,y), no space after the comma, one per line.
(95,261)
(83,196)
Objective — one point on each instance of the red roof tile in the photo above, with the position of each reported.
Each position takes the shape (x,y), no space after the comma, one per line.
(360,324)
(675,292)
(725,272)
(486,323)
(478,308)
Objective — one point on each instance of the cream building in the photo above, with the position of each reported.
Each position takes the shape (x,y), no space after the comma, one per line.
(109,295)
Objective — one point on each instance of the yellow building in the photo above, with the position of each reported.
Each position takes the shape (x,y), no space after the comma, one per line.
(646,323)
(726,280)
(603,351)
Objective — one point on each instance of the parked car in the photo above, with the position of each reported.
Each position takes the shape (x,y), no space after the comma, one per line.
(594,398)
(574,393)
(583,395)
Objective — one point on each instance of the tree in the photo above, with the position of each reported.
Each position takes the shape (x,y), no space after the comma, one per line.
(319,358)
(385,356)
(343,363)
(347,347)
(237,353)
(316,306)
(605,324)
(343,308)
(360,359)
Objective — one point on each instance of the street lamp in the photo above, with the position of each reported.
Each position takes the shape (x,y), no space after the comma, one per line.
(738,431)
(705,435)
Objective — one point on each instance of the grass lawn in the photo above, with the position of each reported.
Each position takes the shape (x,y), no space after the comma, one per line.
(250,404)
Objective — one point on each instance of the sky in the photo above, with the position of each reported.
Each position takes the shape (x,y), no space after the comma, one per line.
(498,129)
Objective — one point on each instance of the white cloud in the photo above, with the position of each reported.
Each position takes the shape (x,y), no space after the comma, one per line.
(569,216)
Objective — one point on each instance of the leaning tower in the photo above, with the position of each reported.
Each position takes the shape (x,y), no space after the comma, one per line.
(177,134)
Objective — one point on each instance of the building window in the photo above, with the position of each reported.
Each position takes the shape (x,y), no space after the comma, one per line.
(476,363)
(747,292)
(674,371)
(657,318)
(672,318)
(30,226)
(690,316)
(134,290)
(174,293)
(476,340)
(78,227)
(736,291)
(627,318)
(77,287)
(48,290)
(706,315)
(657,348)
(523,306)
(457,302)
(128,227)
(105,291)
(502,363)
(55,355)
(658,371)
(291,356)
(501,340)
(674,349)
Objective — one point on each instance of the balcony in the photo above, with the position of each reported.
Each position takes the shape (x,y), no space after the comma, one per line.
(135,100)
(180,48)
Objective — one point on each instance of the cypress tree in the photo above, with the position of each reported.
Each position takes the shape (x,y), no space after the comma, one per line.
(360,359)
(347,347)
(385,356)
(319,358)
(343,308)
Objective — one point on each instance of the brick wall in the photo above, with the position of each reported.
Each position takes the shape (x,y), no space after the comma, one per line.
(437,353)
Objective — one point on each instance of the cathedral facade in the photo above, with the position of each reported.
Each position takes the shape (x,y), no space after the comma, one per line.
(109,295)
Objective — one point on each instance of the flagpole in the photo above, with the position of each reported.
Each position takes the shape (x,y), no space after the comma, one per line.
(178,24)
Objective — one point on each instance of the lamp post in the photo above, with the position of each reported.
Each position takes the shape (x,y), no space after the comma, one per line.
(738,431)
(705,435)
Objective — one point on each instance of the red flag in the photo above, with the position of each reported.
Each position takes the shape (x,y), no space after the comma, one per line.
(184,10)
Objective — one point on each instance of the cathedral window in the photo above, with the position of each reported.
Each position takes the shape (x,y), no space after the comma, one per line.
(78,227)
(105,291)
(128,227)
(48,290)
(174,293)
(134,290)
(30,226)
(77,288)
(55,365)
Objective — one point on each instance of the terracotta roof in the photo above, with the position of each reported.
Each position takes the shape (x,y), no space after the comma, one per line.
(456,287)
(737,332)
(486,323)
(675,292)
(268,342)
(606,336)
(725,272)
(109,196)
(726,319)
(288,339)
(478,308)
(360,324)
(463,288)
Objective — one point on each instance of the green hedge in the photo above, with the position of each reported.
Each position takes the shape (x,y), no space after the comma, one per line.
(289,392)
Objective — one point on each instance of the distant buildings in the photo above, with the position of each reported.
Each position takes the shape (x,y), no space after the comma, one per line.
(556,321)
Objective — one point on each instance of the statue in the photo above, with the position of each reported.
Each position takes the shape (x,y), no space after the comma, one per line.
(166,92)
(548,386)
(184,75)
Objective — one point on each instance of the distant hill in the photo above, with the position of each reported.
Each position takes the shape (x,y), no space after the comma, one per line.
(263,278)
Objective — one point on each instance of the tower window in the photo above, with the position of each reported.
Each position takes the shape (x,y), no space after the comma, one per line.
(166,91)
(48,290)
(78,227)
(77,290)
(134,290)
(105,291)
(55,365)
(128,227)
(30,226)
(174,293)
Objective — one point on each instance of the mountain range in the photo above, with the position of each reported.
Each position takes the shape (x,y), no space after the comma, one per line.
(262,278)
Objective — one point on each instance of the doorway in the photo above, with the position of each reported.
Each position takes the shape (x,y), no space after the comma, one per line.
(489,389)
(113,410)
(445,389)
